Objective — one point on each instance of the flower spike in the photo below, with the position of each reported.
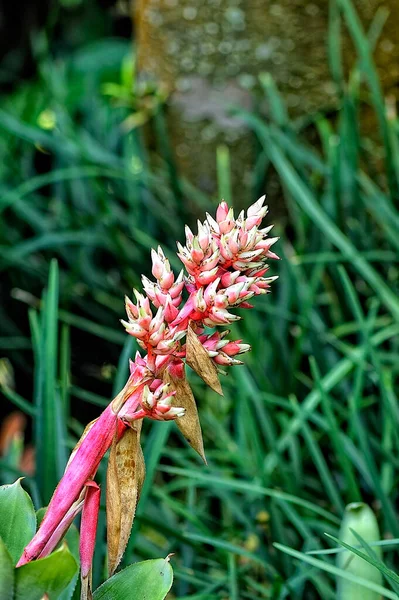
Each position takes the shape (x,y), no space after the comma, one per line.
(224,266)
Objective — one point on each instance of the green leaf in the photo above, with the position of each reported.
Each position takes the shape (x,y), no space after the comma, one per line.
(150,579)
(6,574)
(49,575)
(17,519)
(50,430)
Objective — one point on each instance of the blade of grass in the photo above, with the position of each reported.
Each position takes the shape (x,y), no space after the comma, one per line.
(337,572)
(312,400)
(223,173)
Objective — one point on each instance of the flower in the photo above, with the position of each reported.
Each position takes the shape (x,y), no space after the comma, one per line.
(155,403)
(225,264)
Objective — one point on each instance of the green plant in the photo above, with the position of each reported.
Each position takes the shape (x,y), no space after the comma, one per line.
(315,424)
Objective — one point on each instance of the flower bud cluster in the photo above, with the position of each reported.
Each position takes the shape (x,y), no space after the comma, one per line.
(165,291)
(221,350)
(225,265)
(152,332)
(225,243)
(155,403)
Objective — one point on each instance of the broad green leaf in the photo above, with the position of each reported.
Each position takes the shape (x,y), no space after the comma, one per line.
(17,519)
(148,580)
(6,574)
(50,575)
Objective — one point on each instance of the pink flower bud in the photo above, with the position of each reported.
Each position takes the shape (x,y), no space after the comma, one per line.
(212,261)
(157,265)
(154,385)
(134,329)
(232,241)
(226,226)
(225,251)
(149,287)
(167,278)
(259,272)
(221,300)
(233,292)
(210,291)
(222,211)
(189,234)
(229,278)
(206,277)
(243,265)
(248,239)
(248,256)
(186,258)
(131,309)
(160,298)
(157,336)
(267,244)
(214,226)
(203,235)
(197,254)
(233,348)
(254,209)
(221,315)
(155,405)
(176,369)
(224,360)
(157,321)
(170,311)
(253,222)
(176,289)
(166,347)
(199,301)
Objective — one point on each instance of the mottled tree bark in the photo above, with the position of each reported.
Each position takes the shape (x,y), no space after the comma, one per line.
(209,53)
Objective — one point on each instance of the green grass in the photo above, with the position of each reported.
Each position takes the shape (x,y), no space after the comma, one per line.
(310,422)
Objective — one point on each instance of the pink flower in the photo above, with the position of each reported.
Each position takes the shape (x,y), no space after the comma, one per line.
(225,264)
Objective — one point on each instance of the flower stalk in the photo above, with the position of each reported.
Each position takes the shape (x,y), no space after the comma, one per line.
(224,268)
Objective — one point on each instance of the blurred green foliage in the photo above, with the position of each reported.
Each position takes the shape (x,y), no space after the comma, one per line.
(310,422)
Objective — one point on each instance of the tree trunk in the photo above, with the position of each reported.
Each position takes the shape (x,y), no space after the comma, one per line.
(209,53)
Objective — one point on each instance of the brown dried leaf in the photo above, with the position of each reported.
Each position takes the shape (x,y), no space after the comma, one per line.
(189,424)
(125,476)
(85,590)
(199,360)
(113,502)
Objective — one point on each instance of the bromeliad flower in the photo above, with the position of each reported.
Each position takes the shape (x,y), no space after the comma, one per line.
(225,263)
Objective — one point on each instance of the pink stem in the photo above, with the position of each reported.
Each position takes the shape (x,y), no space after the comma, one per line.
(88,527)
(82,467)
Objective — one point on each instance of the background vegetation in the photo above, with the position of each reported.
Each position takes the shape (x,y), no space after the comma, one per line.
(310,422)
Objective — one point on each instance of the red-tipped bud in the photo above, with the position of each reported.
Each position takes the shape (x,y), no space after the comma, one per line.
(222,211)
(206,277)
(157,265)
